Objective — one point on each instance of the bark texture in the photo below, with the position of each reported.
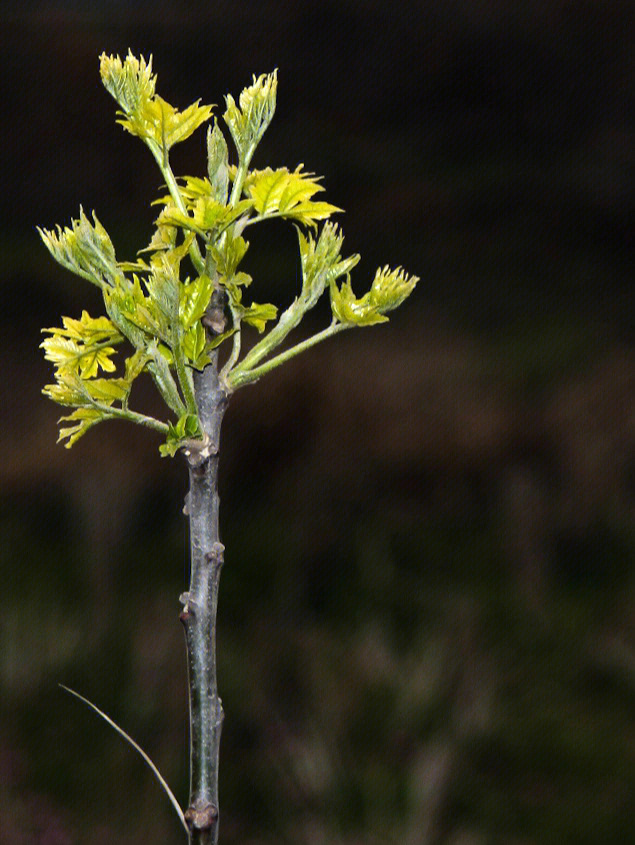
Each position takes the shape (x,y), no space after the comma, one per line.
(199,610)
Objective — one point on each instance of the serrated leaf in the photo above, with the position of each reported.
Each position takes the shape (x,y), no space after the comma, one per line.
(177,126)
(191,189)
(186,428)
(258,315)
(115,300)
(144,113)
(107,390)
(138,266)
(207,217)
(84,419)
(163,288)
(143,311)
(249,119)
(68,389)
(321,264)
(195,187)
(164,237)
(86,360)
(82,345)
(131,82)
(390,288)
(229,254)
(217,163)
(193,342)
(87,329)
(348,309)
(85,249)
(287,194)
(135,365)
(195,297)
(161,123)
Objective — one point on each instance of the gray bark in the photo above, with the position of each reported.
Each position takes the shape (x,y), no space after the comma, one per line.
(200,606)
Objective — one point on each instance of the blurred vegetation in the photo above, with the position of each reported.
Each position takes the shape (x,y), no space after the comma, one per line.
(427,631)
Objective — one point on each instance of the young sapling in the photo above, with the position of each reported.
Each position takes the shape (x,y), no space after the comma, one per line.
(167,314)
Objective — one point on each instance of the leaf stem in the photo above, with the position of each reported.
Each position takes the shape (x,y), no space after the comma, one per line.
(241,174)
(236,341)
(239,376)
(161,158)
(132,416)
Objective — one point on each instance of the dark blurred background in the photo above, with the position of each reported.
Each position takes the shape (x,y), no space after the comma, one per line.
(427,616)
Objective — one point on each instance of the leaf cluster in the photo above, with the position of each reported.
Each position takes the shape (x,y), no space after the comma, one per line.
(184,294)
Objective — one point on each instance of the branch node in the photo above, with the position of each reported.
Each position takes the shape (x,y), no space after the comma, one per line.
(201,815)
(198,452)
(216,555)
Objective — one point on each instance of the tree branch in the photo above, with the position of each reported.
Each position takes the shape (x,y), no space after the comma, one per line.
(200,605)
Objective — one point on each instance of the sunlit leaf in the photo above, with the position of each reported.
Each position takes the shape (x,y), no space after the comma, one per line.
(287,194)
(321,264)
(117,303)
(86,360)
(187,428)
(131,82)
(135,365)
(217,163)
(107,390)
(348,309)
(164,237)
(87,329)
(207,217)
(142,311)
(84,419)
(229,254)
(84,248)
(82,345)
(249,119)
(177,126)
(195,297)
(67,390)
(194,345)
(388,290)
(258,315)
(144,113)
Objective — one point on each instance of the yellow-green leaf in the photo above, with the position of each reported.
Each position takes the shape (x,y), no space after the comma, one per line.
(287,194)
(84,418)
(390,288)
(107,390)
(258,315)
(144,113)
(217,163)
(249,119)
(348,309)
(207,216)
(131,82)
(84,248)
(82,346)
(195,297)
(321,264)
